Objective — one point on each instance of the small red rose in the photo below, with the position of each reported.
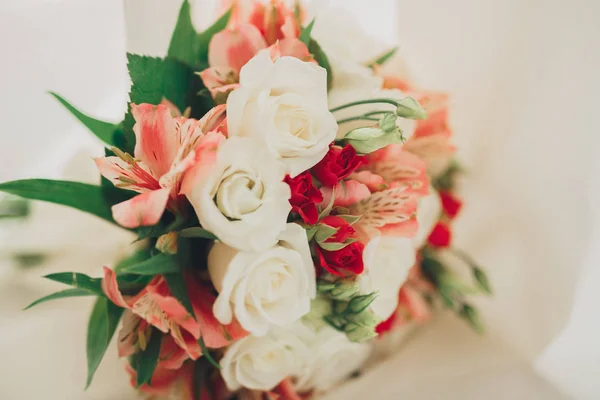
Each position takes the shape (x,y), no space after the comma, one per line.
(450,204)
(337,164)
(345,230)
(344,261)
(440,236)
(305,197)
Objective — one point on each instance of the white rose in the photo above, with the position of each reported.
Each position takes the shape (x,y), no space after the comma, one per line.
(243,199)
(261,363)
(428,214)
(333,359)
(284,104)
(387,260)
(262,289)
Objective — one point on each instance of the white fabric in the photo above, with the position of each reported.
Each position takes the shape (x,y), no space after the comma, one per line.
(523,79)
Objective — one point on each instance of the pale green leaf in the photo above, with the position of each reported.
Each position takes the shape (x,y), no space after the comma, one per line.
(74,292)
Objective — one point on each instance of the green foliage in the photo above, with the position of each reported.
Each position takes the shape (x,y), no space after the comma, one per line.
(81,196)
(160,264)
(197,232)
(80,281)
(101,328)
(145,362)
(385,57)
(105,131)
(74,292)
(471,316)
(321,59)
(176,284)
(207,354)
(306,32)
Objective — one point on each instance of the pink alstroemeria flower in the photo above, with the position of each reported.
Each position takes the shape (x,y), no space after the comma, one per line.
(155,306)
(165,149)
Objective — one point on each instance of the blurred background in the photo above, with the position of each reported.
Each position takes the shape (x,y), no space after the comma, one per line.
(523,77)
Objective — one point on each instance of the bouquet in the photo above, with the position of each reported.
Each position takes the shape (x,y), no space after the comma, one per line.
(293,203)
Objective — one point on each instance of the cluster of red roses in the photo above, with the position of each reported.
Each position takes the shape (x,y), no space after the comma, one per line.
(338,164)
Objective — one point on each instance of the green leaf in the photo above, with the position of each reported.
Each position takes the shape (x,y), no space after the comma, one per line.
(305,35)
(177,287)
(333,246)
(325,232)
(81,196)
(471,316)
(145,362)
(482,280)
(184,41)
(382,59)
(207,354)
(104,131)
(205,37)
(197,232)
(321,59)
(133,259)
(157,265)
(77,280)
(101,328)
(75,292)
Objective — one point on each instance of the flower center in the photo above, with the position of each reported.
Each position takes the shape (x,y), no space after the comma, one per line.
(239,193)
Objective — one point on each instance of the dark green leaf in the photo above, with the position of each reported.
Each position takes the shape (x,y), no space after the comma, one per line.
(157,265)
(383,58)
(184,41)
(177,287)
(133,259)
(482,280)
(471,316)
(305,35)
(207,354)
(145,361)
(77,280)
(81,196)
(101,328)
(321,59)
(202,369)
(197,232)
(104,131)
(205,37)
(75,292)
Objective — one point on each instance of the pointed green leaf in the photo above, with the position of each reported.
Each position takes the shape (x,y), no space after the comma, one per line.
(75,292)
(382,59)
(197,232)
(157,265)
(145,362)
(81,196)
(101,328)
(333,246)
(205,37)
(103,130)
(471,316)
(321,59)
(77,280)
(305,35)
(207,354)
(325,232)
(177,287)
(183,44)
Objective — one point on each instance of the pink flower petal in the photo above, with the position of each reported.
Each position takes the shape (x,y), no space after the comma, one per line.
(235,46)
(111,288)
(205,157)
(374,182)
(156,139)
(347,193)
(131,177)
(143,210)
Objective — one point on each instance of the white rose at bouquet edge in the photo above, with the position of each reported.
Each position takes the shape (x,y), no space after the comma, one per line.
(243,199)
(261,363)
(428,214)
(387,260)
(266,289)
(284,104)
(333,358)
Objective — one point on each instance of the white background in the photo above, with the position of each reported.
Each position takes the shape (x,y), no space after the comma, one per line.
(523,77)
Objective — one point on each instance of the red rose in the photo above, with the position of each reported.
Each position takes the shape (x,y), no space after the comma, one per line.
(387,325)
(450,204)
(305,197)
(345,230)
(440,236)
(337,164)
(340,262)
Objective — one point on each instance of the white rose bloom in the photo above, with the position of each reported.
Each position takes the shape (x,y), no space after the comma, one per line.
(428,214)
(388,260)
(284,104)
(333,359)
(243,199)
(261,363)
(264,289)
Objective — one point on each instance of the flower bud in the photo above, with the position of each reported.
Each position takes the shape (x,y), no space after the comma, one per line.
(410,108)
(369,139)
(167,243)
(342,289)
(319,308)
(360,303)
(365,318)
(359,333)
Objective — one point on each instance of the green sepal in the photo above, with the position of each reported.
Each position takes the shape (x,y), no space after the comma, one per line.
(471,316)
(482,280)
(63,294)
(81,196)
(145,362)
(382,59)
(105,131)
(101,328)
(359,304)
(325,232)
(306,32)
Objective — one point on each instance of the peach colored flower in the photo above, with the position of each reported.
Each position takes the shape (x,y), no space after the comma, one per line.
(165,149)
(155,306)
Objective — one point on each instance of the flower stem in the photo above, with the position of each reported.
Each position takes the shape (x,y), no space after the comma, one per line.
(368,101)
(357,118)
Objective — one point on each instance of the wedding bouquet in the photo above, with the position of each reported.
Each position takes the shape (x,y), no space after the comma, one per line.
(293,202)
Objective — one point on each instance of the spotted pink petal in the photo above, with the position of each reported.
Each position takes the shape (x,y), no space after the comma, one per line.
(347,193)
(145,209)
(111,288)
(233,47)
(172,355)
(204,158)
(173,310)
(213,119)
(127,343)
(136,177)
(156,138)
(400,168)
(374,182)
